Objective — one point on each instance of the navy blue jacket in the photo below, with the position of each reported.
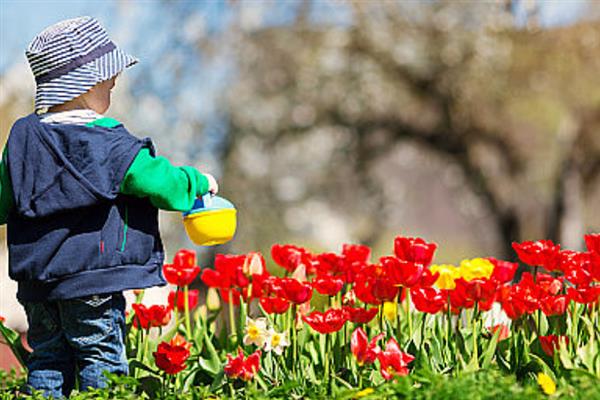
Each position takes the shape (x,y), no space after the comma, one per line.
(71,233)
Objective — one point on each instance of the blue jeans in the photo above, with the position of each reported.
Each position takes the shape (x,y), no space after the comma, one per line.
(82,336)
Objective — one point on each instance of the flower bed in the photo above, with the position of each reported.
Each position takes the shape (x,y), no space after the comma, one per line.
(341,325)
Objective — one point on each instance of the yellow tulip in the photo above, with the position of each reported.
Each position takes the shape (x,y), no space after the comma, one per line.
(546,383)
(364,392)
(390,310)
(448,273)
(475,268)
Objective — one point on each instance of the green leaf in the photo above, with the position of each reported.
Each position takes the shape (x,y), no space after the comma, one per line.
(13,339)
(151,385)
(210,365)
(488,354)
(314,355)
(133,364)
(565,357)
(218,381)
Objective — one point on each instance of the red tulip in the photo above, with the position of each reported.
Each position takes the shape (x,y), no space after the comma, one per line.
(355,257)
(513,309)
(400,272)
(393,361)
(480,291)
(584,294)
(522,297)
(274,305)
(356,253)
(365,352)
(384,290)
(327,285)
(183,270)
(578,267)
(245,369)
(540,253)
(360,315)
(330,321)
(414,250)
(504,271)
(592,242)
(290,257)
(595,265)
(428,300)
(427,279)
(295,291)
(550,343)
(363,289)
(152,316)
(329,264)
(554,305)
(228,272)
(170,357)
(192,299)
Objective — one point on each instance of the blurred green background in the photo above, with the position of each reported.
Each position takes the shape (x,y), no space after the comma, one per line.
(471,124)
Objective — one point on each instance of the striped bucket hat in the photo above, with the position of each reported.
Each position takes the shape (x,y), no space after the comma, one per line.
(70,57)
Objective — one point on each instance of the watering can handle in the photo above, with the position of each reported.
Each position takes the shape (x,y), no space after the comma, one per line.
(207,200)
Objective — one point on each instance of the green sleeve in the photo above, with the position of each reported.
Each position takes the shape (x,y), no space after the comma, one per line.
(6,193)
(168,187)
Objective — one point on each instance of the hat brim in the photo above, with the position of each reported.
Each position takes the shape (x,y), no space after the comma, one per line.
(80,80)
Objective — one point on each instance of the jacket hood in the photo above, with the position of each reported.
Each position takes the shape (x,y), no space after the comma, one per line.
(60,167)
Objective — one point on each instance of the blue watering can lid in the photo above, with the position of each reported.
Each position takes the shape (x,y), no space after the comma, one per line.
(209,202)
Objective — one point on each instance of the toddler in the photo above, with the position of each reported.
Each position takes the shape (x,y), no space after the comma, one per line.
(80,197)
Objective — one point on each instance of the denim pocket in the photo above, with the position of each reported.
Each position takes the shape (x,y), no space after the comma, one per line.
(88,320)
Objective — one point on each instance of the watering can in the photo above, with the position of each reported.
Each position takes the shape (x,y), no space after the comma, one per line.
(211,221)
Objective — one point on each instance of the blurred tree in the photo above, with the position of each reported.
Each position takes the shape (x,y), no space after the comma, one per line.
(319,111)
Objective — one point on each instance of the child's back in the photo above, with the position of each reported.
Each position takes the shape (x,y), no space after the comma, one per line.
(80,196)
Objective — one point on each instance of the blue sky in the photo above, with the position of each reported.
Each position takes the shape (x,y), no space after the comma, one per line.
(21,20)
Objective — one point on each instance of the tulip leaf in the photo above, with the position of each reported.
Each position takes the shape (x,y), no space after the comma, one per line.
(217,381)
(13,339)
(140,365)
(314,355)
(564,356)
(213,356)
(210,366)
(488,354)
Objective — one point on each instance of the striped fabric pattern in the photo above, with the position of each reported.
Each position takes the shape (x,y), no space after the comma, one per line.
(74,117)
(70,57)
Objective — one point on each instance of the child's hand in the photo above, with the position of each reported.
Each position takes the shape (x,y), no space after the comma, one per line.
(213,186)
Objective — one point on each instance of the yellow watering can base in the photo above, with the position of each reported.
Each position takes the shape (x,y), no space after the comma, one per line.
(212,227)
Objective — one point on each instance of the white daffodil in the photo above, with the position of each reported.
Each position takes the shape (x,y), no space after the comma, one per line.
(255,331)
(276,342)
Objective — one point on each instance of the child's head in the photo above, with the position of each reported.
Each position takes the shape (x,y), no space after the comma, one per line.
(97,98)
(75,65)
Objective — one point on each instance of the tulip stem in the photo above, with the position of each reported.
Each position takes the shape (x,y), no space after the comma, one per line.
(381,318)
(231,316)
(475,333)
(294,339)
(176,309)
(146,340)
(186,306)
(138,336)
(408,314)
(326,358)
